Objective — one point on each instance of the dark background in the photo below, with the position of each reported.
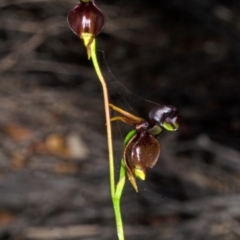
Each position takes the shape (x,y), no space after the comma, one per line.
(54,180)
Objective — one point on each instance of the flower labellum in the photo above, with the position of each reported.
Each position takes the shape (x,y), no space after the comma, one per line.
(86,21)
(141,152)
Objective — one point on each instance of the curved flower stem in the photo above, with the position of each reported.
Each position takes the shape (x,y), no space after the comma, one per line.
(107,115)
(117,199)
(116,196)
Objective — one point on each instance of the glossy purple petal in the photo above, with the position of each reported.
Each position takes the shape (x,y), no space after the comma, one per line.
(86,18)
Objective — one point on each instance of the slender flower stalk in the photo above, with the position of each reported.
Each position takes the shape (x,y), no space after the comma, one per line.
(87,21)
(107,114)
(116,193)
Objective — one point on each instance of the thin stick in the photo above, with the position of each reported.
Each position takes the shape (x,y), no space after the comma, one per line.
(115,196)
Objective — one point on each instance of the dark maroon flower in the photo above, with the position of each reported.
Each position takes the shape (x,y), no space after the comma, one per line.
(141,152)
(86,18)
(141,147)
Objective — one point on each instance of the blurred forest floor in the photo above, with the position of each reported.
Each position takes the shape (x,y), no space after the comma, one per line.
(53,157)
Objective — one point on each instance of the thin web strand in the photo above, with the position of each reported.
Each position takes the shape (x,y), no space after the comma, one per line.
(118,85)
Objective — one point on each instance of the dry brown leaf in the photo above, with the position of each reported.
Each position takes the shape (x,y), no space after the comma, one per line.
(17,132)
(6,217)
(56,144)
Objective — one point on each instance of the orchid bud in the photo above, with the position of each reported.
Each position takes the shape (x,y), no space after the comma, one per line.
(86,21)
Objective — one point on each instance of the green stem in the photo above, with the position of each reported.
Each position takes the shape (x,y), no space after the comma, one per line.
(116,196)
(117,199)
(107,115)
